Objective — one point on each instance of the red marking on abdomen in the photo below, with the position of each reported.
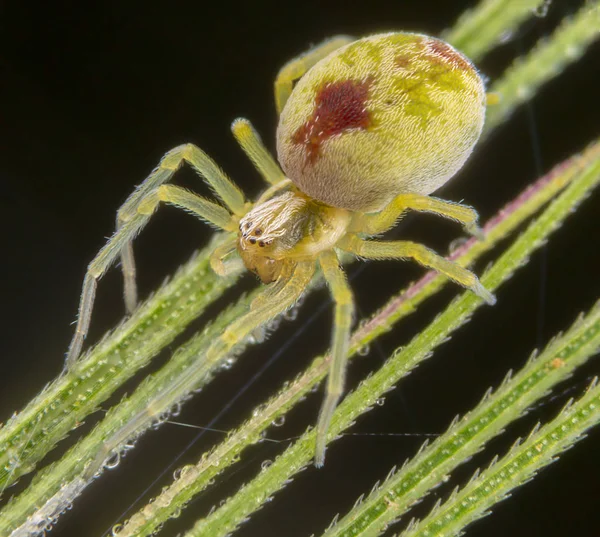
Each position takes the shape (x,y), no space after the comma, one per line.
(339,106)
(439,48)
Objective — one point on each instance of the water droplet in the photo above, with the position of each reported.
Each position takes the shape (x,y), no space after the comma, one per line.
(542,9)
(117,528)
(180,472)
(113,461)
(506,36)
(228,364)
(380,401)
(176,410)
(278,421)
(291,314)
(363,350)
(265,464)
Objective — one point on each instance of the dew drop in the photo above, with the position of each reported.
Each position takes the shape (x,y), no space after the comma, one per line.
(291,314)
(265,464)
(228,364)
(113,461)
(278,421)
(542,10)
(117,528)
(176,410)
(506,36)
(363,350)
(380,401)
(129,445)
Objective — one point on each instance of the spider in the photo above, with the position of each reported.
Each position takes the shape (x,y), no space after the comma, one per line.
(368,129)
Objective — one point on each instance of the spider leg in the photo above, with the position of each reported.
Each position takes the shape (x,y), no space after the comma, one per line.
(217,263)
(422,255)
(297,67)
(374,224)
(261,311)
(225,189)
(344,313)
(255,149)
(274,288)
(204,209)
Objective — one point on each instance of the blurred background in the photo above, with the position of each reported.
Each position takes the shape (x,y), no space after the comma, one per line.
(92,94)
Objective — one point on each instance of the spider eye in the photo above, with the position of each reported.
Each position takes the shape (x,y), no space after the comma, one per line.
(252,240)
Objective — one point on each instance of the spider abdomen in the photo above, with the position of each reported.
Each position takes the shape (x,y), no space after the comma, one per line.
(384,115)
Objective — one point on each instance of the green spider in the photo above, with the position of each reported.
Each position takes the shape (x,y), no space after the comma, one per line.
(370,129)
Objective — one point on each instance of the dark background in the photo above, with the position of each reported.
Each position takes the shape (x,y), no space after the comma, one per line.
(93,94)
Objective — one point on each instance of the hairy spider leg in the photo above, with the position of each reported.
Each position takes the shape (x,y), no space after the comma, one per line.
(382,221)
(298,66)
(255,149)
(226,248)
(203,208)
(223,187)
(344,314)
(274,288)
(292,284)
(422,255)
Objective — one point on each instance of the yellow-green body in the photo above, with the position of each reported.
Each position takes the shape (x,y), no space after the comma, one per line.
(424,111)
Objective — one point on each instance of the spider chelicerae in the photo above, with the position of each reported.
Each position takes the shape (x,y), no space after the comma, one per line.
(368,129)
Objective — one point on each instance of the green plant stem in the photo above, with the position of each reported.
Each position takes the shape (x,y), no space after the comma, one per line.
(63,404)
(489,23)
(271,479)
(29,435)
(516,468)
(194,478)
(56,486)
(467,436)
(550,57)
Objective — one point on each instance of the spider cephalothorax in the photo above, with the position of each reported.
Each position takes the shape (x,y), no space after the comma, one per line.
(371,128)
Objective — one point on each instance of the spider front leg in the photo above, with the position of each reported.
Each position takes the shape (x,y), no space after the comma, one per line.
(344,313)
(225,189)
(282,294)
(422,255)
(297,67)
(374,224)
(120,241)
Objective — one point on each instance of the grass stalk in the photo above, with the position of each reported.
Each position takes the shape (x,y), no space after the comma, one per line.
(520,465)
(490,23)
(549,58)
(465,437)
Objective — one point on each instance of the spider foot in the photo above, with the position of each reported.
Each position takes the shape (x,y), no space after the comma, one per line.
(483,293)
